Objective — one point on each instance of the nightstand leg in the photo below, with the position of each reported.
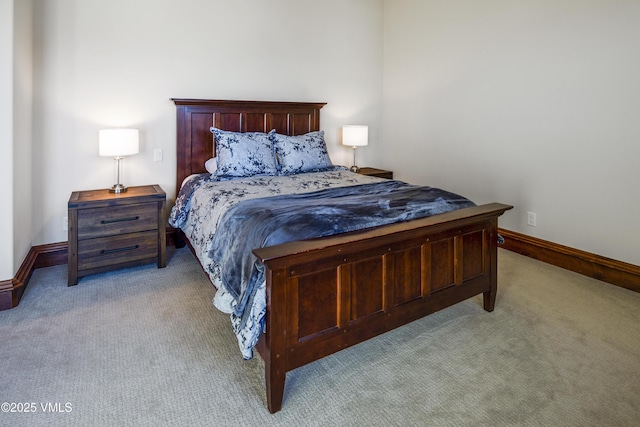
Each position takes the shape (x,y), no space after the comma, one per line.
(72,247)
(162,236)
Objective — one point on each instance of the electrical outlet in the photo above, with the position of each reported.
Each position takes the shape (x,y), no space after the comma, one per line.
(157,155)
(531,219)
(65,223)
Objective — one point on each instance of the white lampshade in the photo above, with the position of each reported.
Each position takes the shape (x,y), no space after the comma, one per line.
(118,142)
(355,135)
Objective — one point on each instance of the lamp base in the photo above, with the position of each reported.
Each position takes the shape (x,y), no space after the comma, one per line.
(118,188)
(354,168)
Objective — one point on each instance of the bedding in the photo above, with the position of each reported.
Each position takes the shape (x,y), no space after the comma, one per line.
(302,153)
(203,199)
(211,165)
(214,215)
(243,154)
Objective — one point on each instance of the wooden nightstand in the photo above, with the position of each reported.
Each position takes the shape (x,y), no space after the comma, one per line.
(380,173)
(109,231)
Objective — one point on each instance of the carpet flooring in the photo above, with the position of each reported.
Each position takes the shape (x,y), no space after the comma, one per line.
(145,347)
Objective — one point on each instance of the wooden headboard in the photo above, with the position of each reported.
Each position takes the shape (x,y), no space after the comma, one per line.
(195,143)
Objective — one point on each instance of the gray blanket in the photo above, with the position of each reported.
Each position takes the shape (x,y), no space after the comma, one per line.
(273,220)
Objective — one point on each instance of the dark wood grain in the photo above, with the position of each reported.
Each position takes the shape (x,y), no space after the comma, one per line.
(108,230)
(380,173)
(589,264)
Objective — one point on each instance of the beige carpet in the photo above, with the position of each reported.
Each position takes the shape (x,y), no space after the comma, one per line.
(145,347)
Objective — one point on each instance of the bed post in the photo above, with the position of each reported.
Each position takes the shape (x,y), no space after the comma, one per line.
(489,298)
(275,345)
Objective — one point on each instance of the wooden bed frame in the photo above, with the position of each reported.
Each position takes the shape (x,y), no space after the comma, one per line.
(327,294)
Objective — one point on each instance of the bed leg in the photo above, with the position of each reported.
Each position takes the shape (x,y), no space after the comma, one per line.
(489,300)
(489,297)
(275,338)
(274,376)
(179,239)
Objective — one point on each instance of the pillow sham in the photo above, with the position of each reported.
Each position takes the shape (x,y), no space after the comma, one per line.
(243,154)
(302,153)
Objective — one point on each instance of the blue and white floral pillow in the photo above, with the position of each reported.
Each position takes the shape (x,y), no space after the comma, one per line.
(243,154)
(303,153)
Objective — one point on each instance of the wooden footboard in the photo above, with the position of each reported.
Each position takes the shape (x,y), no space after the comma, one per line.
(327,294)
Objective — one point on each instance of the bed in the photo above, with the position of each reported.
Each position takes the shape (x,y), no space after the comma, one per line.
(325,294)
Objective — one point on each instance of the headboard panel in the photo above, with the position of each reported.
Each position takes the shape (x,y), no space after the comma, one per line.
(195,143)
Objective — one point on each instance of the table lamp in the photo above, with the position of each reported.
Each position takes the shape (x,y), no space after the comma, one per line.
(118,143)
(355,136)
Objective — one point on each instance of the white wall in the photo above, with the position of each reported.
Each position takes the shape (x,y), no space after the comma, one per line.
(530,103)
(6,137)
(117,63)
(15,133)
(22,130)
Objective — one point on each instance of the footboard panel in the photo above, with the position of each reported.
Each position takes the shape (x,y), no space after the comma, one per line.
(329,294)
(347,301)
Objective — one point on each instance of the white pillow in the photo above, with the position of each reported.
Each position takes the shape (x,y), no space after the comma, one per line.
(211,165)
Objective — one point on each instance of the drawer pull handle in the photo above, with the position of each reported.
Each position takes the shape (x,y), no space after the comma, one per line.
(111,221)
(111,251)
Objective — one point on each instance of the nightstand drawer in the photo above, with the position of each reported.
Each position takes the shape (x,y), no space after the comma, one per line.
(104,251)
(99,222)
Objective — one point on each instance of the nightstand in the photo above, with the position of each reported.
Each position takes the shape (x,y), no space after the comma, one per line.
(380,173)
(109,231)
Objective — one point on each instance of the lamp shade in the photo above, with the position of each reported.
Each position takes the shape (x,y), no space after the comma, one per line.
(355,135)
(118,142)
